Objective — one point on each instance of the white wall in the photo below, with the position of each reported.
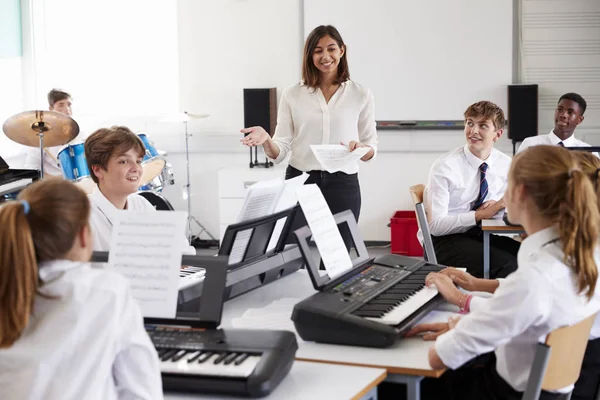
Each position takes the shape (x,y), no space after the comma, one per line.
(229,45)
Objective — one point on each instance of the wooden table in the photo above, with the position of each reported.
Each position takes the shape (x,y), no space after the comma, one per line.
(489,226)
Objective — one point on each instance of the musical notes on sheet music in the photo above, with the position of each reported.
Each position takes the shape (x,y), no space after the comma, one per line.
(324,230)
(146,248)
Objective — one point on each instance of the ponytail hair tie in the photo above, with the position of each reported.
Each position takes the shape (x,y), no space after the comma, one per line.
(571,172)
(26,206)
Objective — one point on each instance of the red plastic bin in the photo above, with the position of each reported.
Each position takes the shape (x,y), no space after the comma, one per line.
(404,229)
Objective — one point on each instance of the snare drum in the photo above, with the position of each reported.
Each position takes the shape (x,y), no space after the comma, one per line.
(153,163)
(74,166)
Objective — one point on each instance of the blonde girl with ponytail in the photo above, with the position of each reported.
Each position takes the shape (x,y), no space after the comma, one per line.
(555,284)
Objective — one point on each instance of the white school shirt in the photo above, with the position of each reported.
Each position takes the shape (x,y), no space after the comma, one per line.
(536,299)
(305,118)
(88,342)
(51,165)
(552,140)
(103,213)
(453,187)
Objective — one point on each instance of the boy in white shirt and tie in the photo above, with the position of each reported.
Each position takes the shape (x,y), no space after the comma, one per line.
(466,186)
(567,116)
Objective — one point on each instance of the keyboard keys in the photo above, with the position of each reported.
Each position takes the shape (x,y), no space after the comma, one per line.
(209,363)
(205,356)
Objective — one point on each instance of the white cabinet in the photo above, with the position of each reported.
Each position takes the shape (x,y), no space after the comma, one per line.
(233,182)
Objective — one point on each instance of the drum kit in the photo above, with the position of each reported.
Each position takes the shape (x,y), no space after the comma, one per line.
(44,129)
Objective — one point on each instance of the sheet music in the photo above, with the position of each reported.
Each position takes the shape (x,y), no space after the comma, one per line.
(335,157)
(324,230)
(146,248)
(261,199)
(287,199)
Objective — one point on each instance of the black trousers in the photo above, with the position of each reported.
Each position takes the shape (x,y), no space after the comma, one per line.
(589,379)
(476,380)
(341,192)
(466,250)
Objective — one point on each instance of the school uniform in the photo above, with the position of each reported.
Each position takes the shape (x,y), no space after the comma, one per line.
(551,140)
(305,118)
(103,214)
(458,184)
(588,383)
(548,299)
(85,340)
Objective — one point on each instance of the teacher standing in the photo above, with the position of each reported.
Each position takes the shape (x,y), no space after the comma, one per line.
(325,108)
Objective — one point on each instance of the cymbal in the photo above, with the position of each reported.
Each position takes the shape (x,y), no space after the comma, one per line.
(24,128)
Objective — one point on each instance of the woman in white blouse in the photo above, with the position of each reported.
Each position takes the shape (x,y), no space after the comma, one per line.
(67,331)
(550,196)
(325,108)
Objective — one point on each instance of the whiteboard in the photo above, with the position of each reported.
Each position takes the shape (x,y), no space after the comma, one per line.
(423,59)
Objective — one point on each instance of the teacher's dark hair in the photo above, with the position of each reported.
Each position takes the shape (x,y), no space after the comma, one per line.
(310,73)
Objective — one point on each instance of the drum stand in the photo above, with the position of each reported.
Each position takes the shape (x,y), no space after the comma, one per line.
(42,128)
(188,188)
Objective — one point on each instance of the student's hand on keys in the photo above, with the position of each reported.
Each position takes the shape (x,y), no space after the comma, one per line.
(444,286)
(256,136)
(460,278)
(432,331)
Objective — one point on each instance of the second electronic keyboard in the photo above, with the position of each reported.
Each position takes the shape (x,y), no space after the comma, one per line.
(372,307)
(233,361)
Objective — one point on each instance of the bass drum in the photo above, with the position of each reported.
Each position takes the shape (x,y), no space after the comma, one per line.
(158,201)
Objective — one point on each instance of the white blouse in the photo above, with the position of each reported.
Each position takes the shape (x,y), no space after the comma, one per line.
(536,299)
(305,118)
(86,341)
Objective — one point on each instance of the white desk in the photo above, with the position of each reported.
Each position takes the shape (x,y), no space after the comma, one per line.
(316,381)
(406,362)
(489,226)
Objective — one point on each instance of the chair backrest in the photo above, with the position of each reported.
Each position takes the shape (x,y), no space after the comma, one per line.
(557,362)
(416,192)
(568,347)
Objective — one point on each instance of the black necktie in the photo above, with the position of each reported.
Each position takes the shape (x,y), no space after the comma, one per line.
(561,144)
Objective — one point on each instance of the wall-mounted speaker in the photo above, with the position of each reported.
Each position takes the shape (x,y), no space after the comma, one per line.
(260,108)
(522,112)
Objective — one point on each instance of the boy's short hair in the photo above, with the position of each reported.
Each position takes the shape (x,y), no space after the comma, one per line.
(487,110)
(108,142)
(577,99)
(57,95)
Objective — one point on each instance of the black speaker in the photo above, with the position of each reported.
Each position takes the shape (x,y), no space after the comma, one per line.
(522,112)
(260,108)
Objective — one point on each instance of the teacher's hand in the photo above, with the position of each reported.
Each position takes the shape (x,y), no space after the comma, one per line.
(256,136)
(353,145)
